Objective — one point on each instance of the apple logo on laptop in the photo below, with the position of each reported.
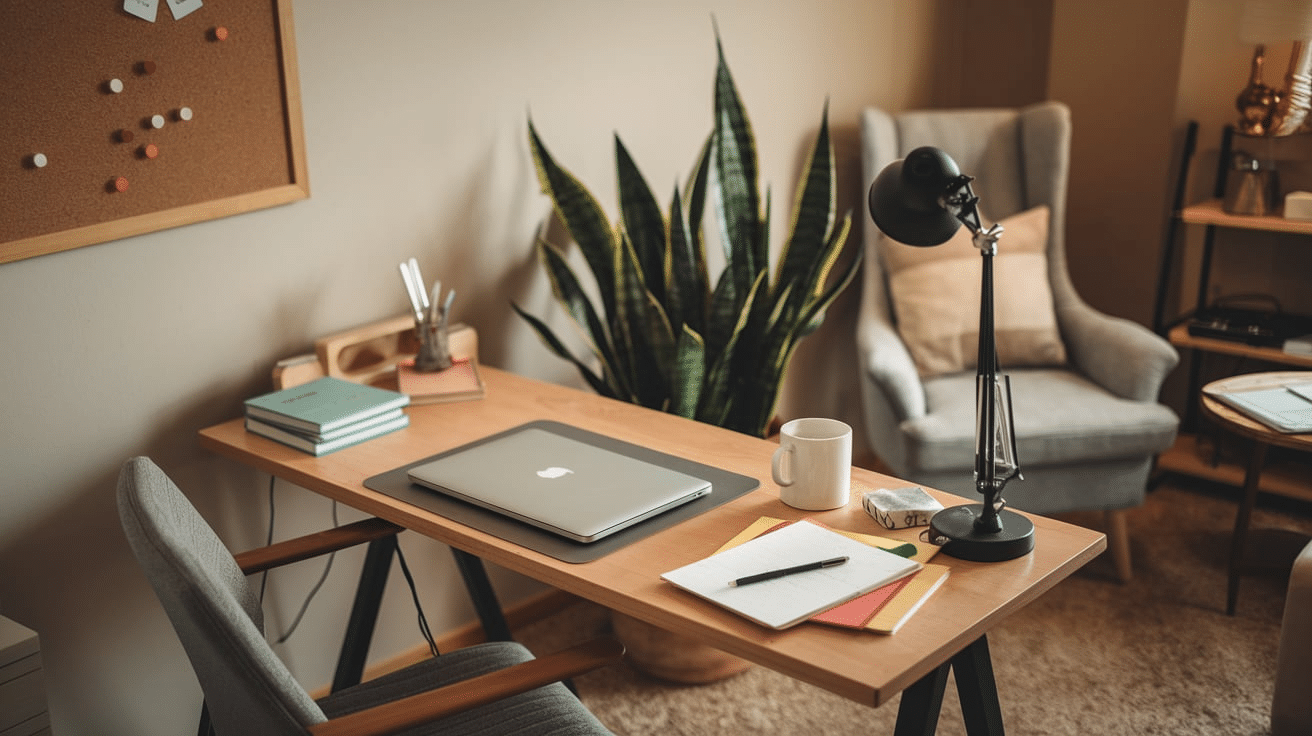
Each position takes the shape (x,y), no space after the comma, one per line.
(554,472)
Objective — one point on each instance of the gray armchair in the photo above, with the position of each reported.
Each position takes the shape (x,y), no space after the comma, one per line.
(1087,430)
(493,688)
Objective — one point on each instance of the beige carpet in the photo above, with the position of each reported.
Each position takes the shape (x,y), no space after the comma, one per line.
(1093,656)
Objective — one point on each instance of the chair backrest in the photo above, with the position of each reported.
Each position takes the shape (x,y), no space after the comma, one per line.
(1020,158)
(214,611)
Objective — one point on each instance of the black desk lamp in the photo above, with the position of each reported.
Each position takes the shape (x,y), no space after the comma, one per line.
(922,200)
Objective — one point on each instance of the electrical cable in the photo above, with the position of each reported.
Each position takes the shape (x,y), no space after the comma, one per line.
(424,629)
(419,610)
(323,577)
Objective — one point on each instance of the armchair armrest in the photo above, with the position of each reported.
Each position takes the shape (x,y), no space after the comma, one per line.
(1123,357)
(313,545)
(412,711)
(886,361)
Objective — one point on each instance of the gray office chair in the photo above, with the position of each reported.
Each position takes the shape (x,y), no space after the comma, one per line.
(1087,430)
(493,688)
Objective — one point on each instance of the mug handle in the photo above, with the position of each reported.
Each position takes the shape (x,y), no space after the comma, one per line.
(777,463)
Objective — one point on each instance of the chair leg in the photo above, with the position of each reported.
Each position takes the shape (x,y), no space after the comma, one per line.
(1118,542)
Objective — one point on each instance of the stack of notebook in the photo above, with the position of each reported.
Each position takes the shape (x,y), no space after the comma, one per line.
(881,603)
(325,415)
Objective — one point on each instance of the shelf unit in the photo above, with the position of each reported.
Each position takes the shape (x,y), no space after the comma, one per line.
(1210,212)
(1196,455)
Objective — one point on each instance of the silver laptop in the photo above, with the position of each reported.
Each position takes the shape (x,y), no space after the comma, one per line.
(560,484)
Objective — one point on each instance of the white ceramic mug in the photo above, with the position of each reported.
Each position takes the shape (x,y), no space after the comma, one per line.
(813,465)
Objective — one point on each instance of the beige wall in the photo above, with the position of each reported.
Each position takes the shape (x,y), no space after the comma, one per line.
(415,126)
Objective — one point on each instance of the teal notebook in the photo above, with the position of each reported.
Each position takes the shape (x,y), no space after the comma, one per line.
(324,405)
(369,431)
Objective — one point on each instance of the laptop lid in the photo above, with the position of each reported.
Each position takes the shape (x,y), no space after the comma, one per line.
(563,485)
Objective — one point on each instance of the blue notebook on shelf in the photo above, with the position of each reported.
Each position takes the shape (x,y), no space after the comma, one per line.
(324,405)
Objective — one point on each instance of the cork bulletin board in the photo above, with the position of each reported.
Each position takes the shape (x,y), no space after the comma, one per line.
(118,124)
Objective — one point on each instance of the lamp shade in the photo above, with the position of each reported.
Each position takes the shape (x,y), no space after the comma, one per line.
(1269,21)
(906,198)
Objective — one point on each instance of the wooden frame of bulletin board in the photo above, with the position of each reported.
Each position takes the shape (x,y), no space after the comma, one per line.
(118,124)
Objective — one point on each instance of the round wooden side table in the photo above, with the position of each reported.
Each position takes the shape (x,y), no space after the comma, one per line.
(1262,438)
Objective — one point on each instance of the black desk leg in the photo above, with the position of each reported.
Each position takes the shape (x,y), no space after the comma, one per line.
(364,613)
(918,712)
(978,690)
(484,598)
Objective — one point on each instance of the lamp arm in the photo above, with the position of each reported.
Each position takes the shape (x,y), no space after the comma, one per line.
(960,200)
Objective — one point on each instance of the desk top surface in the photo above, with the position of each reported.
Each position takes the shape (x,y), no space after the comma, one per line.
(863,666)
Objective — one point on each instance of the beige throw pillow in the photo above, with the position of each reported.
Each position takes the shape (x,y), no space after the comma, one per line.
(936,298)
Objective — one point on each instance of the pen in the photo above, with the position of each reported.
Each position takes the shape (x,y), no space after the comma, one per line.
(772,574)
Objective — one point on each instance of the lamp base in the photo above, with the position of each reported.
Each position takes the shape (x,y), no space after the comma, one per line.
(965,542)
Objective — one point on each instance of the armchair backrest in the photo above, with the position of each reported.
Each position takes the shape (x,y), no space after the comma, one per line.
(1020,158)
(213,609)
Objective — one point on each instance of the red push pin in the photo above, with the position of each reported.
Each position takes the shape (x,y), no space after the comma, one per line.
(219,33)
(121,184)
(150,150)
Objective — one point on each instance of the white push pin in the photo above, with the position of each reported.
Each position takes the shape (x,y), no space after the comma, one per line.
(39,160)
(157,121)
(184,113)
(115,85)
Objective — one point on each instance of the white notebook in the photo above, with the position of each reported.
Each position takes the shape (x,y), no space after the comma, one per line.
(789,600)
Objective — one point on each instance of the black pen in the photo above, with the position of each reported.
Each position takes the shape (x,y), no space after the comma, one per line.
(771,575)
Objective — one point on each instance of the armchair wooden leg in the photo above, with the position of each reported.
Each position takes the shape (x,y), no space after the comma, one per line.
(1118,543)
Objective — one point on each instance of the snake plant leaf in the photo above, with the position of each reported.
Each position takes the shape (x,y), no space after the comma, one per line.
(556,346)
(582,215)
(690,359)
(736,191)
(813,214)
(813,315)
(717,395)
(689,273)
(811,320)
(644,333)
(642,221)
(681,292)
(570,295)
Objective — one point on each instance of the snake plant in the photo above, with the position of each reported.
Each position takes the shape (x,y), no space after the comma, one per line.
(665,336)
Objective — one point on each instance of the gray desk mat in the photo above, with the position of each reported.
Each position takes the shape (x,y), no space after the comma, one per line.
(725,486)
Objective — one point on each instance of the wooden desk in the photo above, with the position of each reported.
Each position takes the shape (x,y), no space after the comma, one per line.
(1262,438)
(866,668)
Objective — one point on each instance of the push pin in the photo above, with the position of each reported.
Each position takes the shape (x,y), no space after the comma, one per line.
(146,67)
(114,85)
(183,114)
(125,135)
(38,160)
(119,184)
(150,150)
(155,121)
(219,33)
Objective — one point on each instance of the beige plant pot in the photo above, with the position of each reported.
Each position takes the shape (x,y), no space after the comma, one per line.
(672,657)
